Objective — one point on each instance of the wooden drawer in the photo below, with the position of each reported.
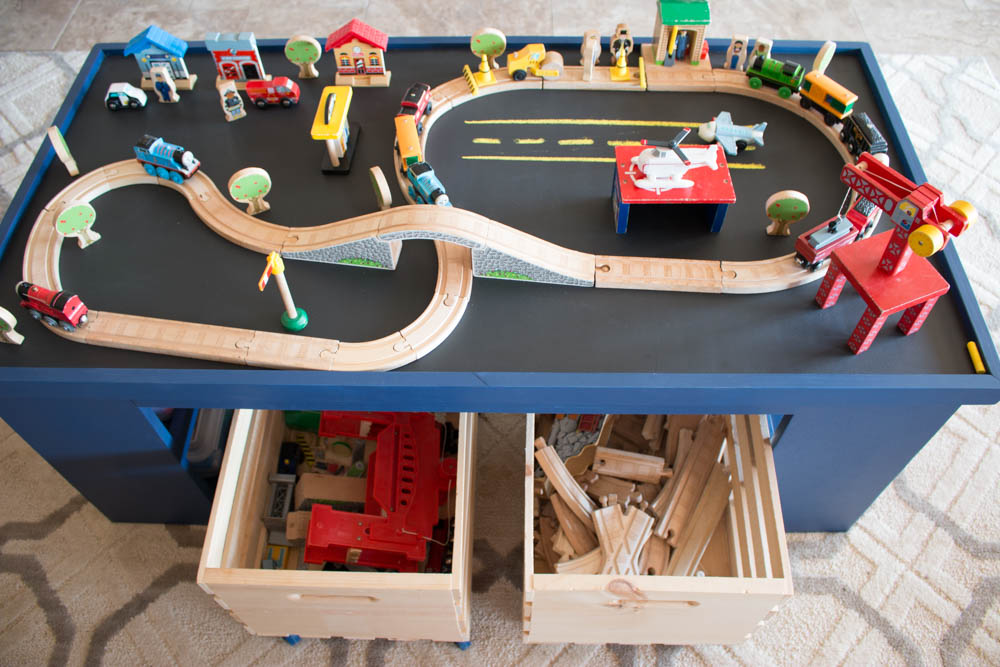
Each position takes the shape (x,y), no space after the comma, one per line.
(746,570)
(325,604)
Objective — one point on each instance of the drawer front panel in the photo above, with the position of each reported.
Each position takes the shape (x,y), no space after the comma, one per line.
(634,610)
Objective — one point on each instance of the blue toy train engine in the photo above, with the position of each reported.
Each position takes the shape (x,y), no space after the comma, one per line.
(165,160)
(425,188)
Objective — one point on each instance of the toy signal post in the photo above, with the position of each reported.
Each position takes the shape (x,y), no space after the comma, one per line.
(293,319)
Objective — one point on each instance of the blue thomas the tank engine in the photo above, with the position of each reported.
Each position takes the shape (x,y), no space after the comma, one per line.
(165,160)
(425,188)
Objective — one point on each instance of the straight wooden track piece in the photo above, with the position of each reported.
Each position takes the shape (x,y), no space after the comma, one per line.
(588,563)
(563,549)
(622,538)
(656,556)
(653,426)
(686,489)
(697,532)
(674,425)
(627,433)
(560,478)
(546,534)
(580,534)
(597,485)
(630,465)
(685,439)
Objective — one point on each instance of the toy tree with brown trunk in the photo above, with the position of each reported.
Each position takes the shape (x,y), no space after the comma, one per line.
(76,221)
(250,186)
(783,208)
(304,51)
(488,44)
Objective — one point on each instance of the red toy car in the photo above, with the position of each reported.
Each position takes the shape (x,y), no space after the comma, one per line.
(280,90)
(416,102)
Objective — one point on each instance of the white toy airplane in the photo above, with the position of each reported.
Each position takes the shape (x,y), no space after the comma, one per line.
(733,138)
(664,165)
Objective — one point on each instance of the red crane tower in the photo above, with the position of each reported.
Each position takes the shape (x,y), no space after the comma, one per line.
(883,268)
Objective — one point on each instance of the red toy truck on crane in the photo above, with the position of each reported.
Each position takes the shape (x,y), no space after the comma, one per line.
(407,482)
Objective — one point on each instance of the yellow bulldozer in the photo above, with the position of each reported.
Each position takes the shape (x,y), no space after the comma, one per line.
(535,60)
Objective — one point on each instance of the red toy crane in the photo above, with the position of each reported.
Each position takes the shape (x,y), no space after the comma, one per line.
(880,267)
(907,205)
(407,482)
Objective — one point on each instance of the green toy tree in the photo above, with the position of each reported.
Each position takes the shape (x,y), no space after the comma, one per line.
(783,208)
(250,186)
(489,44)
(304,51)
(76,220)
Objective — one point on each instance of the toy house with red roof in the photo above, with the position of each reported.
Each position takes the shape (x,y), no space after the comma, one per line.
(360,53)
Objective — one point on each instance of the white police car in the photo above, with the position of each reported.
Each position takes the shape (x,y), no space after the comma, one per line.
(124,95)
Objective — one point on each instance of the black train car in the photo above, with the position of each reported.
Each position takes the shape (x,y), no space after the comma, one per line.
(860,135)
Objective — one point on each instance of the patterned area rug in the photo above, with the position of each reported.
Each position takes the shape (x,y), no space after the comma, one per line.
(915,581)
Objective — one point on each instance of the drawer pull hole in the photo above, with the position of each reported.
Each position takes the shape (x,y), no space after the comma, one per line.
(636,604)
(295,597)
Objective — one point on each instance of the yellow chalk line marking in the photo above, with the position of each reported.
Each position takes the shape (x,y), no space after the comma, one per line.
(537,158)
(485,140)
(581,121)
(529,141)
(624,143)
(576,142)
(567,158)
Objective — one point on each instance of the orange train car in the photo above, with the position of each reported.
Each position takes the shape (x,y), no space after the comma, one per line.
(408,142)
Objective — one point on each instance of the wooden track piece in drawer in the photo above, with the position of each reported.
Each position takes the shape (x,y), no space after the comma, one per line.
(622,537)
(575,498)
(597,486)
(630,465)
(687,487)
(580,534)
(588,563)
(699,529)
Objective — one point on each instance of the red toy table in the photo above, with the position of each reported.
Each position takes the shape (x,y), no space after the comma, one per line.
(915,289)
(711,187)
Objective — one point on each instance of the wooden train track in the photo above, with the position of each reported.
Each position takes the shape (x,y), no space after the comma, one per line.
(454,284)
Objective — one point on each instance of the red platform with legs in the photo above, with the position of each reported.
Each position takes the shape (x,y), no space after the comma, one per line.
(914,289)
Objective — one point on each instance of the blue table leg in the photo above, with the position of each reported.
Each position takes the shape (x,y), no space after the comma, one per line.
(619,207)
(718,217)
(113,456)
(832,463)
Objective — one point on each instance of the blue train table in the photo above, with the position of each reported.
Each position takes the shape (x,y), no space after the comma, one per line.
(844,425)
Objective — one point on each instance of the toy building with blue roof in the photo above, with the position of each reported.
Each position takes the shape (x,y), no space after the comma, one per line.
(155,46)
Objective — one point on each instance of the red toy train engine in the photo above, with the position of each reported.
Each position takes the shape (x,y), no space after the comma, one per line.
(55,308)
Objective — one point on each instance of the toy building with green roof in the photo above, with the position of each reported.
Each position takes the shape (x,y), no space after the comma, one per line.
(679,31)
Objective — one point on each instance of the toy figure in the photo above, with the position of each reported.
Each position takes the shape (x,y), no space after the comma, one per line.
(163,84)
(232,103)
(736,54)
